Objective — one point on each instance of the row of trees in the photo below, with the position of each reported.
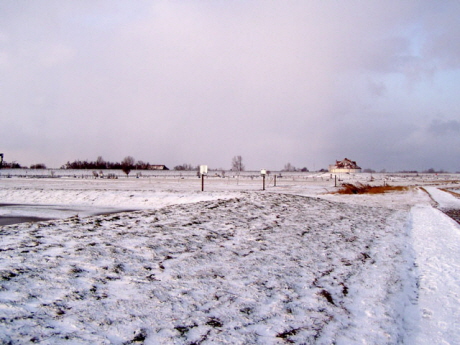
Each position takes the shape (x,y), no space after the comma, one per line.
(101,164)
(290,167)
(15,165)
(186,167)
(127,164)
(130,163)
(237,165)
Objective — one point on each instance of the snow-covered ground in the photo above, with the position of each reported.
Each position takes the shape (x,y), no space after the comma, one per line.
(436,242)
(233,264)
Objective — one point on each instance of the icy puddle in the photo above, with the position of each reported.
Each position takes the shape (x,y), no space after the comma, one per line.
(21,213)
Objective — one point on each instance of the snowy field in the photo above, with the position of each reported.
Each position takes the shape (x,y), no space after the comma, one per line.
(230,265)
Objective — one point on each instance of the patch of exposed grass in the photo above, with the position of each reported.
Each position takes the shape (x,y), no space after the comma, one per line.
(348,188)
(457,195)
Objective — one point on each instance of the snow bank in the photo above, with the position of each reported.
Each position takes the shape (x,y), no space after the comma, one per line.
(257,269)
(137,199)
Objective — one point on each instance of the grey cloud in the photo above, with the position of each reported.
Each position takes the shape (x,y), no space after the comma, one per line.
(439,127)
(440,44)
(377,88)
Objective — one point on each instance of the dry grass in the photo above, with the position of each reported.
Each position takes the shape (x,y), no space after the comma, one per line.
(348,188)
(457,195)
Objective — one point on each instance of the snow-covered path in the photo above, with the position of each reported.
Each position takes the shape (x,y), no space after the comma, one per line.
(436,243)
(443,199)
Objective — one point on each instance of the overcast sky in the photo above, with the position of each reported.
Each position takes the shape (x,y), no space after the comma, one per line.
(172,82)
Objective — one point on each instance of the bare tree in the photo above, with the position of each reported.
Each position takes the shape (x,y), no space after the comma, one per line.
(237,164)
(289,167)
(100,163)
(38,166)
(185,166)
(127,164)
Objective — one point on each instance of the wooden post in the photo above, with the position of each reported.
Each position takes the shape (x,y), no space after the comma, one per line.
(203,171)
(275,181)
(335,178)
(263,172)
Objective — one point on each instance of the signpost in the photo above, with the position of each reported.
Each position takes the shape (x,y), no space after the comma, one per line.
(263,172)
(203,171)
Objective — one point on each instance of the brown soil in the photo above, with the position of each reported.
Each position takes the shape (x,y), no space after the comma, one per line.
(348,188)
(454,214)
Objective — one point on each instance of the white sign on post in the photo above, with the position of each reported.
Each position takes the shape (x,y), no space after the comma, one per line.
(263,172)
(203,169)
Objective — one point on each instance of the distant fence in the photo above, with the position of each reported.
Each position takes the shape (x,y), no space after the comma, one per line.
(281,176)
(106,173)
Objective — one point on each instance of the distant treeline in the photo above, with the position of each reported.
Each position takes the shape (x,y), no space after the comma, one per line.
(129,163)
(101,164)
(15,165)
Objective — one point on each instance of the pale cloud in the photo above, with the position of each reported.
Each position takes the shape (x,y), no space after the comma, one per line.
(56,54)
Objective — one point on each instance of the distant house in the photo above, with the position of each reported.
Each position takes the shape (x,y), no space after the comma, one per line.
(345,166)
(157,167)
